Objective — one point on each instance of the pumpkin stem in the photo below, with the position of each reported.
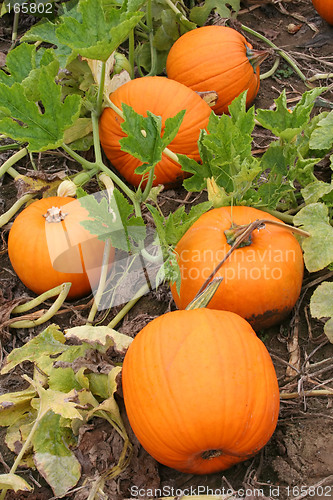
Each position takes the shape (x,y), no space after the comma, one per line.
(55,214)
(235,231)
(209,96)
(256,57)
(241,235)
(209,454)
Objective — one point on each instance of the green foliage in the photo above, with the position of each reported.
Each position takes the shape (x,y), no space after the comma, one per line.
(114,219)
(155,38)
(144,139)
(269,181)
(91,28)
(170,229)
(286,124)
(23,120)
(95,32)
(224,8)
(322,136)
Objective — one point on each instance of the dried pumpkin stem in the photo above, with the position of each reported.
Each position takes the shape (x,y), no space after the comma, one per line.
(242,234)
(315,392)
(320,76)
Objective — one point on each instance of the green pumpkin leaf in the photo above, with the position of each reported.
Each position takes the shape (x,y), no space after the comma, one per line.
(63,379)
(19,63)
(168,31)
(315,191)
(114,219)
(224,8)
(144,139)
(321,306)
(49,342)
(322,136)
(200,173)
(53,457)
(95,32)
(318,247)
(45,31)
(14,482)
(286,124)
(23,120)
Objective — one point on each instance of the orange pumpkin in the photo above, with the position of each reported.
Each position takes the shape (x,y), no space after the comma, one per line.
(200,390)
(262,281)
(164,98)
(47,246)
(216,58)
(324,9)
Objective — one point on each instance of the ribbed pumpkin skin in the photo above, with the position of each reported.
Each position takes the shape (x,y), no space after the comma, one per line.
(200,380)
(75,252)
(324,9)
(214,58)
(164,98)
(262,282)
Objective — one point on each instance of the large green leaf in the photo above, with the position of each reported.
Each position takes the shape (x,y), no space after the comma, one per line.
(25,121)
(19,62)
(144,139)
(95,33)
(286,124)
(45,31)
(322,136)
(114,219)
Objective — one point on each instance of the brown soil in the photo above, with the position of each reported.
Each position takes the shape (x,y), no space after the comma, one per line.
(300,453)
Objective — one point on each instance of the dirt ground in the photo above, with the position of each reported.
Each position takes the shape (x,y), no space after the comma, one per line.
(300,453)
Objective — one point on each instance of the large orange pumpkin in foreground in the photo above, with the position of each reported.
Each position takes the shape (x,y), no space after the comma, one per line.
(164,98)
(216,58)
(47,246)
(200,390)
(324,9)
(262,281)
